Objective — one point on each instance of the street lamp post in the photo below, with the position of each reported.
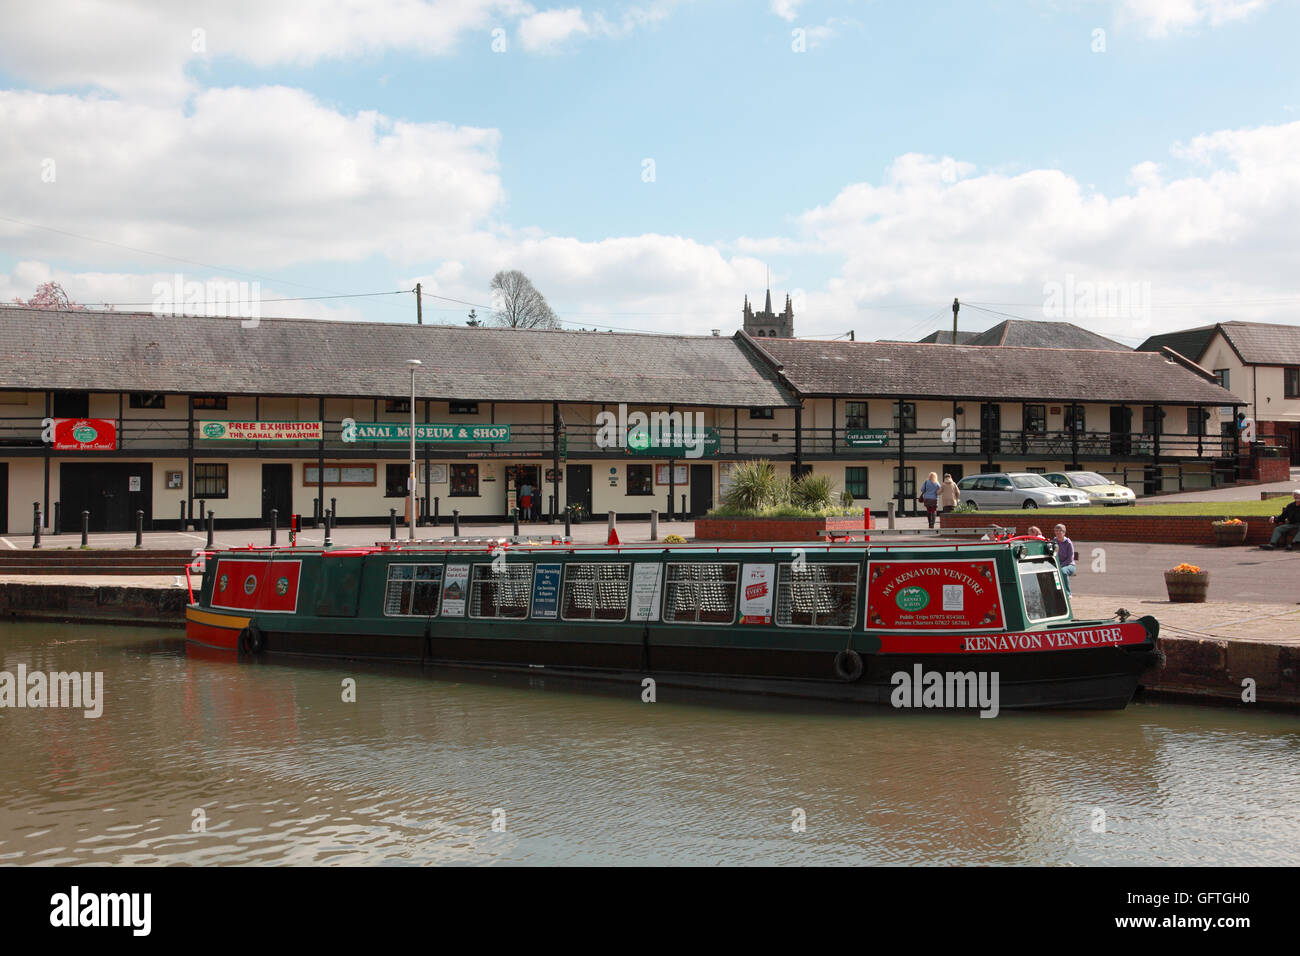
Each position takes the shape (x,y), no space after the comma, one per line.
(413,364)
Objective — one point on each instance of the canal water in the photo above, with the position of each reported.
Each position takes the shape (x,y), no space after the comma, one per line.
(212,761)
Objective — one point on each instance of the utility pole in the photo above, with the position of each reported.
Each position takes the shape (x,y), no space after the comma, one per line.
(419,306)
(852,338)
(955,306)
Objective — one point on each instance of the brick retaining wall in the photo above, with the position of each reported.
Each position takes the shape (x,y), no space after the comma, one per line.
(1132,525)
(774,529)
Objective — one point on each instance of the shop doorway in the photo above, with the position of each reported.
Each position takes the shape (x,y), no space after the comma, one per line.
(578,480)
(111,492)
(277,493)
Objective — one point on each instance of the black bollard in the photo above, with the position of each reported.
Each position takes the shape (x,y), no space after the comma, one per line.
(329,524)
(334,511)
(139,528)
(85,528)
(36,524)
(275,522)
(392,524)
(212,526)
(182,524)
(315,512)
(568,523)
(203,510)
(455,521)
(58,517)
(516,522)
(435,512)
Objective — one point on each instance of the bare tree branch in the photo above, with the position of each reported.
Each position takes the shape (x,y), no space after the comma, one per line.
(518,304)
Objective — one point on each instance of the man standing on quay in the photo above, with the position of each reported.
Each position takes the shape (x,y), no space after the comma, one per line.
(1285,524)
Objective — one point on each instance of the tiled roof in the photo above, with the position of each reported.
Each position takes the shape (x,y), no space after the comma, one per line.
(1044,335)
(1259,343)
(916,370)
(1190,343)
(110,351)
(944,336)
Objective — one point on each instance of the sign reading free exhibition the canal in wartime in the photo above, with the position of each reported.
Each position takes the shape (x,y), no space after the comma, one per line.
(260,431)
(934,594)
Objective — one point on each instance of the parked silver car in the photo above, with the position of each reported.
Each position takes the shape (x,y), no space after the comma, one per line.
(1017,490)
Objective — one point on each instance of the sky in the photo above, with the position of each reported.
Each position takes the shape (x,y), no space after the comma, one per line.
(1128,165)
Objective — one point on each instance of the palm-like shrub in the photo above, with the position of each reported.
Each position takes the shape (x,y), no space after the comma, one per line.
(813,492)
(753,486)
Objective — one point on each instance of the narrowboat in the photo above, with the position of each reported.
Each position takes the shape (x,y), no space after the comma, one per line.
(844,621)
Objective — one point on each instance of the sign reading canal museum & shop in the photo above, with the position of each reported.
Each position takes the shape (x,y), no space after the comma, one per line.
(934,594)
(425,432)
(85,434)
(260,431)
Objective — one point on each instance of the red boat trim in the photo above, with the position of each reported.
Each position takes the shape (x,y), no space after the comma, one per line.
(1020,642)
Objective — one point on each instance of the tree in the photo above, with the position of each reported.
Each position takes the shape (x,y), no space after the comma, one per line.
(50,295)
(474,321)
(519,305)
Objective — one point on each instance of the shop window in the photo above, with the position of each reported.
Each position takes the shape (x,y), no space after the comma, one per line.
(211,480)
(463,408)
(640,480)
(906,413)
(464,481)
(855,482)
(402,405)
(395,480)
(1036,419)
(855,414)
(763,413)
(909,482)
(211,402)
(147,400)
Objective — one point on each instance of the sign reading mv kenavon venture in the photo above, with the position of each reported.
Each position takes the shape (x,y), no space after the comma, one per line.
(922,595)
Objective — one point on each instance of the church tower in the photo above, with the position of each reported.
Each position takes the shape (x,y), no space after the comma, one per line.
(768,324)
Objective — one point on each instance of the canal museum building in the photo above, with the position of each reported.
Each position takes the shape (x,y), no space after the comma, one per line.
(114,413)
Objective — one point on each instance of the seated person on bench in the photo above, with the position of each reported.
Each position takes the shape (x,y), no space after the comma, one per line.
(1286,524)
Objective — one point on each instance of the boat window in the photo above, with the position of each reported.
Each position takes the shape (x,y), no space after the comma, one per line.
(413,589)
(816,595)
(595,592)
(701,593)
(1041,585)
(500,590)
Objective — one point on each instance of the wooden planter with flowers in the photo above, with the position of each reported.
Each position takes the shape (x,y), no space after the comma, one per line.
(1229,532)
(1187,584)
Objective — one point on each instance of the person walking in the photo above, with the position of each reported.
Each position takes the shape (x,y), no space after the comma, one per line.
(930,497)
(1285,524)
(949,494)
(1064,555)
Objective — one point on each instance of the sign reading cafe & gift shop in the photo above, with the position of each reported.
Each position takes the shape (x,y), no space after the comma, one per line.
(424,432)
(260,431)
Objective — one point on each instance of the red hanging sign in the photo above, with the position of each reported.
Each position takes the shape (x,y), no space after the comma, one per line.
(934,595)
(85,434)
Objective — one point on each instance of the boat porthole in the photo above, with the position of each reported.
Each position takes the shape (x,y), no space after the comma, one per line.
(848,665)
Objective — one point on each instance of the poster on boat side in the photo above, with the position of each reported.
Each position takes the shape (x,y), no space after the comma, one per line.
(756,593)
(646,578)
(453,590)
(546,591)
(934,595)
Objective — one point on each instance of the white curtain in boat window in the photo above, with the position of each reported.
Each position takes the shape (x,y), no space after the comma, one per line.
(500,590)
(701,593)
(595,591)
(816,595)
(413,589)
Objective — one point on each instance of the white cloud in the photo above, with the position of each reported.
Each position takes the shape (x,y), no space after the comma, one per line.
(786,9)
(254,179)
(545,32)
(150,51)
(1161,17)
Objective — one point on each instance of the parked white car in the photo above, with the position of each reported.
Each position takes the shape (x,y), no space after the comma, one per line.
(1100,491)
(1017,490)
